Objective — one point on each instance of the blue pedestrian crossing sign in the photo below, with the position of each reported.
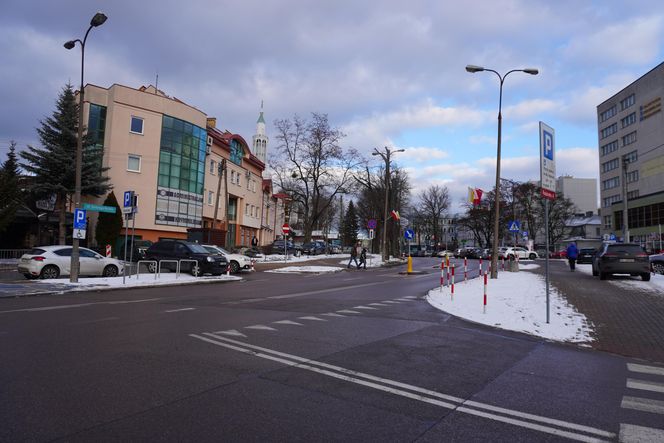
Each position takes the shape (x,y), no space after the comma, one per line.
(409,234)
(514,226)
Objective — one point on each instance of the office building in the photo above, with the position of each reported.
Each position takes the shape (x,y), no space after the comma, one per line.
(581,191)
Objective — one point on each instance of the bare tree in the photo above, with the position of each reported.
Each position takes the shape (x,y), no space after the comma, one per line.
(432,204)
(311,166)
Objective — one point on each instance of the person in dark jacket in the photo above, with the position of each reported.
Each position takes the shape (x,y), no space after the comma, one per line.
(572,254)
(363,259)
(354,252)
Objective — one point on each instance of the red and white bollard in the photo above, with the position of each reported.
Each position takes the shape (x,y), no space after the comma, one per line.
(481,270)
(442,274)
(485,282)
(228,269)
(108,250)
(465,269)
(452,292)
(252,265)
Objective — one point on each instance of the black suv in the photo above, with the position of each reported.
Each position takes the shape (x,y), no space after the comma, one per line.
(206,263)
(277,247)
(621,258)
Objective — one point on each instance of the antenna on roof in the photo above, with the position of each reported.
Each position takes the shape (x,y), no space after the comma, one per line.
(156,84)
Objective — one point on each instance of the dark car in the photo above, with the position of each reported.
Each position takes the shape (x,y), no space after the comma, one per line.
(313,248)
(621,258)
(278,247)
(586,255)
(140,249)
(657,263)
(206,263)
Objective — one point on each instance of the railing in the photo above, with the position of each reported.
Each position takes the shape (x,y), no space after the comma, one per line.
(197,271)
(138,267)
(177,268)
(12,254)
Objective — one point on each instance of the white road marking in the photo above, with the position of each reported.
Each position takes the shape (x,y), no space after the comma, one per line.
(645,385)
(311,317)
(639,434)
(348,311)
(260,327)
(392,302)
(232,332)
(332,314)
(411,296)
(351,376)
(287,322)
(85,322)
(302,294)
(643,404)
(377,304)
(349,279)
(78,305)
(365,307)
(405,299)
(180,310)
(644,369)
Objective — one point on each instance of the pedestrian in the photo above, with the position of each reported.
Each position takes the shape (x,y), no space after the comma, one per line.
(363,259)
(254,242)
(572,254)
(353,256)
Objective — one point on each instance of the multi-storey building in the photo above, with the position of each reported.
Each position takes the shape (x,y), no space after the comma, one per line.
(581,191)
(631,158)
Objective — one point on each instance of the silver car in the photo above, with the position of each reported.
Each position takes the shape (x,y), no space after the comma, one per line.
(55,261)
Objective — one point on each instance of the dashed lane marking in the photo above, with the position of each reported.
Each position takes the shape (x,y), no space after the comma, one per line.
(377,304)
(391,302)
(365,307)
(180,310)
(287,322)
(645,385)
(643,404)
(645,369)
(260,328)
(639,434)
(311,317)
(232,332)
(332,314)
(348,311)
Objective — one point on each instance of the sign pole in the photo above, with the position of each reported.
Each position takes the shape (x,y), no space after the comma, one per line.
(133,231)
(548,190)
(124,268)
(546,261)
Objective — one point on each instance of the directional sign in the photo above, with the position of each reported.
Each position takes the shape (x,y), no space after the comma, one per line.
(409,234)
(612,236)
(285,228)
(514,226)
(547,161)
(372,223)
(79,219)
(99,208)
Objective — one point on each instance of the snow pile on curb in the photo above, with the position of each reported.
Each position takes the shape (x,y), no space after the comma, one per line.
(306,269)
(166,279)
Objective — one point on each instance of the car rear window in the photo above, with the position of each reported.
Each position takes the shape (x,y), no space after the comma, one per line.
(625,249)
(587,250)
(36,251)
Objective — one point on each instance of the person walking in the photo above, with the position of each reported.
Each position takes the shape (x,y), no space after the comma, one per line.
(572,254)
(363,259)
(353,256)
(254,242)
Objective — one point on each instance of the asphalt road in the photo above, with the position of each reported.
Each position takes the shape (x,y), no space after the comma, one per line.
(352,356)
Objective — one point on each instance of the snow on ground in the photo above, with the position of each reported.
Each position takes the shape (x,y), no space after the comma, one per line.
(627,282)
(306,269)
(86,284)
(515,301)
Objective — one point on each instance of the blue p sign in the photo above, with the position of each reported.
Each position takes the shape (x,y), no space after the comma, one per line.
(127,199)
(79,219)
(548,145)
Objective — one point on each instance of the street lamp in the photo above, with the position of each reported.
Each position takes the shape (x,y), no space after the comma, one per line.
(386,158)
(473,69)
(98,20)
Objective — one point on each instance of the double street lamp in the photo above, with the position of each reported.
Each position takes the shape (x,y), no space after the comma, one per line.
(386,157)
(473,69)
(98,20)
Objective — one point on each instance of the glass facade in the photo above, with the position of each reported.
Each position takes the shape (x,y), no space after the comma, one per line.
(181,174)
(236,152)
(96,131)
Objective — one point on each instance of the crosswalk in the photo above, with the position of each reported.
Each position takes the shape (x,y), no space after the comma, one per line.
(645,386)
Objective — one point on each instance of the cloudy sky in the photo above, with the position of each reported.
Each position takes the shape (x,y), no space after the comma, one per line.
(389,73)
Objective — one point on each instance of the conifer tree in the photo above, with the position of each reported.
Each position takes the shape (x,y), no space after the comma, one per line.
(350,227)
(109,225)
(10,192)
(53,165)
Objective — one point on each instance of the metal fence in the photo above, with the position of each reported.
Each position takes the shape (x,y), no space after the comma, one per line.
(12,254)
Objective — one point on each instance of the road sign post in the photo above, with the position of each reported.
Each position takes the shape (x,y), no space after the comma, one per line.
(80,223)
(548,190)
(285,229)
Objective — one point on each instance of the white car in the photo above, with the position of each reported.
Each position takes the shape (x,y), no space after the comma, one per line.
(236,262)
(55,261)
(521,253)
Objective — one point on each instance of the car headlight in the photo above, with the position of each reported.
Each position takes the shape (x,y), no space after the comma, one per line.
(209,258)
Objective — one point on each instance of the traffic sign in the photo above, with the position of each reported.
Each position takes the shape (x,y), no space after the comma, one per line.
(612,236)
(372,223)
(547,161)
(99,208)
(79,219)
(514,226)
(372,234)
(127,199)
(285,228)
(524,234)
(79,233)
(409,234)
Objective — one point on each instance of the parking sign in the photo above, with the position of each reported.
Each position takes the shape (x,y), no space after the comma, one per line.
(79,219)
(547,161)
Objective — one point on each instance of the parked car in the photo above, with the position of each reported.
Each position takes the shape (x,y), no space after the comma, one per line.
(334,248)
(55,261)
(621,258)
(278,247)
(558,254)
(444,253)
(206,263)
(463,252)
(313,248)
(249,252)
(657,263)
(521,253)
(140,248)
(586,255)
(236,262)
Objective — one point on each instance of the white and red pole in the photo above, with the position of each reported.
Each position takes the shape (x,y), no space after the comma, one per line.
(252,265)
(465,269)
(502,263)
(481,266)
(108,250)
(442,274)
(452,293)
(485,282)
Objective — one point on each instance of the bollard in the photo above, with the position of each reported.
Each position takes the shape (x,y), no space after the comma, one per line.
(108,250)
(465,269)
(452,292)
(252,265)
(481,267)
(410,264)
(442,275)
(228,270)
(485,281)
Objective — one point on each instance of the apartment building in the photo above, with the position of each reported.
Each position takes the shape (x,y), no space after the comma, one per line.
(581,191)
(631,153)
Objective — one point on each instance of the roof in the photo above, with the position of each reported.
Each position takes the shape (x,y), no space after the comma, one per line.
(582,221)
(260,118)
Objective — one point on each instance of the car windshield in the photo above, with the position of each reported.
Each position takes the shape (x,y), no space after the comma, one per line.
(197,248)
(212,249)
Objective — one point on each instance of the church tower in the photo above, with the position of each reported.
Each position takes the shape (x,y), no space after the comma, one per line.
(260,139)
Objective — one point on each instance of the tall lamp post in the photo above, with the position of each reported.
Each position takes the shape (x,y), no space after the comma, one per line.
(386,157)
(473,69)
(98,20)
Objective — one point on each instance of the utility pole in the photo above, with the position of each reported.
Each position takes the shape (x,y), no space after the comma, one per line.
(220,171)
(386,158)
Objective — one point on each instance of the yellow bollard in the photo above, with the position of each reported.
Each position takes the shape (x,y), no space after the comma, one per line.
(410,264)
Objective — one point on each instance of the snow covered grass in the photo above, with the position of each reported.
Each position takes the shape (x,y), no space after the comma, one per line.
(627,282)
(515,301)
(165,279)
(306,269)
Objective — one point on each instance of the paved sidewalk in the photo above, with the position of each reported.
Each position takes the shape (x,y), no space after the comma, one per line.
(627,320)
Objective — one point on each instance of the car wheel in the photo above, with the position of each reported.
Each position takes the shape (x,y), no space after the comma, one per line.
(152,267)
(645,276)
(658,268)
(532,256)
(50,271)
(195,270)
(110,271)
(235,267)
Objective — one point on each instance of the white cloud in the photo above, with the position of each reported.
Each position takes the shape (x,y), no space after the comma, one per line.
(424,154)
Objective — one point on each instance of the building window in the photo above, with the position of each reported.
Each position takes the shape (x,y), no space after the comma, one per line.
(607,222)
(610,165)
(609,147)
(96,132)
(608,201)
(236,152)
(136,125)
(134,163)
(629,120)
(610,183)
(246,209)
(631,157)
(213,165)
(629,138)
(632,194)
(626,103)
(210,197)
(609,130)
(633,176)
(608,114)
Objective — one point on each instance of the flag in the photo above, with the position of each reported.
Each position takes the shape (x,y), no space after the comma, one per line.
(395,215)
(471,195)
(478,197)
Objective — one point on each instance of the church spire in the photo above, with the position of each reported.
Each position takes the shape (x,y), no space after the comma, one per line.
(260,139)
